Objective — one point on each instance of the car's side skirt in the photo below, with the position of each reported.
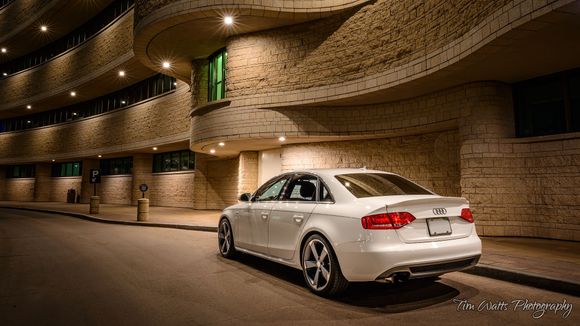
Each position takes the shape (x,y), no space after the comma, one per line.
(274,259)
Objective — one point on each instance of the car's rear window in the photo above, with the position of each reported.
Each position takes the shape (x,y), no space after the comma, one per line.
(379,184)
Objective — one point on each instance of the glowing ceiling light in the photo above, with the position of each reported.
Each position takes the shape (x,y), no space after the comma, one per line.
(121,73)
(4,50)
(212,151)
(282,138)
(4,74)
(29,106)
(228,20)
(166,64)
(100,156)
(222,144)
(154,148)
(43,28)
(73,93)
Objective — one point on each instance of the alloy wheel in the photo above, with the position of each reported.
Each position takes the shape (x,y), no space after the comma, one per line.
(225,239)
(317,264)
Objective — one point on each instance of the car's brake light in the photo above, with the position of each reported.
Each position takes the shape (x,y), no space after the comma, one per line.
(386,221)
(466,215)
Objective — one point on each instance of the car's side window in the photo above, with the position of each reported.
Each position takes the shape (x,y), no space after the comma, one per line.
(301,188)
(272,191)
(325,195)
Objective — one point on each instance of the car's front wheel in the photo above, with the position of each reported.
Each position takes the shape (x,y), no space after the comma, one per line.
(320,267)
(226,239)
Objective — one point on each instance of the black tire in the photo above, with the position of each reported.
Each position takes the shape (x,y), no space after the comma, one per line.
(321,271)
(226,245)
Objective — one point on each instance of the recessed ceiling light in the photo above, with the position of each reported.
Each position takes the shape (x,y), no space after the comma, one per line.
(29,106)
(74,113)
(43,28)
(100,156)
(73,93)
(174,83)
(212,151)
(53,160)
(4,74)
(154,148)
(121,73)
(282,138)
(4,50)
(228,20)
(166,64)
(123,102)
(222,144)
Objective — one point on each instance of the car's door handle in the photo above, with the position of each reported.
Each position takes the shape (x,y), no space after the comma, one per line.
(298,218)
(265,215)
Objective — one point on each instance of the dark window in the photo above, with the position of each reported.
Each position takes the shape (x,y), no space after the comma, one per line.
(271,190)
(20,171)
(301,188)
(325,195)
(379,184)
(174,161)
(67,169)
(128,96)
(548,105)
(113,166)
(217,75)
(67,42)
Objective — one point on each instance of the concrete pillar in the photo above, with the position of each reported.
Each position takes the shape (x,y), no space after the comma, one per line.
(94,205)
(142,173)
(43,183)
(2,183)
(142,209)
(248,172)
(87,188)
(199,76)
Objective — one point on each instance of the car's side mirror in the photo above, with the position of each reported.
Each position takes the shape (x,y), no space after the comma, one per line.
(245,197)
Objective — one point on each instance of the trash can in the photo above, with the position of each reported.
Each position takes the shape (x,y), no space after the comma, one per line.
(71,196)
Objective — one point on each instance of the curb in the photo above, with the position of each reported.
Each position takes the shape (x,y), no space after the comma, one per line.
(514,276)
(530,279)
(108,221)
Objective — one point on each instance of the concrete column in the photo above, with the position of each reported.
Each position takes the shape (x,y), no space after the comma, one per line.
(142,173)
(87,187)
(2,183)
(43,182)
(200,182)
(199,77)
(248,172)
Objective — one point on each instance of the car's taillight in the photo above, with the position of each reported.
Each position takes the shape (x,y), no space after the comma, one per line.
(386,221)
(466,215)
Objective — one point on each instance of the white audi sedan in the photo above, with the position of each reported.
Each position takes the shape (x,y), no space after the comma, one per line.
(351,225)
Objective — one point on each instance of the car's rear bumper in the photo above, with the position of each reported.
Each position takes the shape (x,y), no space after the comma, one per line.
(372,260)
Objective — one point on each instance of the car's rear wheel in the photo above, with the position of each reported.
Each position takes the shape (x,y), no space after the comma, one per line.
(226,239)
(320,267)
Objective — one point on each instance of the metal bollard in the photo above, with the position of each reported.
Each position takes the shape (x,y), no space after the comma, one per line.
(142,209)
(94,205)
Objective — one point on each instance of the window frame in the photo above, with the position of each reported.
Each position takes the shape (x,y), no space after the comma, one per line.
(213,73)
(159,159)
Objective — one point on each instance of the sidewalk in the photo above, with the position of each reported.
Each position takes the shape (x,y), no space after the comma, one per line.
(547,264)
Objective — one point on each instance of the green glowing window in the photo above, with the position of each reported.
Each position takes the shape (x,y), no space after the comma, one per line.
(68,169)
(217,75)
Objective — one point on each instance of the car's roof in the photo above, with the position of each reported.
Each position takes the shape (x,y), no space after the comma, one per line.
(337,171)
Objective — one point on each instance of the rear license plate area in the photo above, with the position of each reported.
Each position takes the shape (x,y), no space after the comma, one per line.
(438,226)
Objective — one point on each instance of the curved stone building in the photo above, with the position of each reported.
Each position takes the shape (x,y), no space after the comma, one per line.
(469,98)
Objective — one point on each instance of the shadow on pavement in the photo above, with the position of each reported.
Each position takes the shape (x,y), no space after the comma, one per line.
(387,298)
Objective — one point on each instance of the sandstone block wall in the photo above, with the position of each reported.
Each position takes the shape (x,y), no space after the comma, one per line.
(173,189)
(161,120)
(428,159)
(61,185)
(115,189)
(19,189)
(64,72)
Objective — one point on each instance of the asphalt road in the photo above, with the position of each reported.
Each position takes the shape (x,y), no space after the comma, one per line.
(57,270)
